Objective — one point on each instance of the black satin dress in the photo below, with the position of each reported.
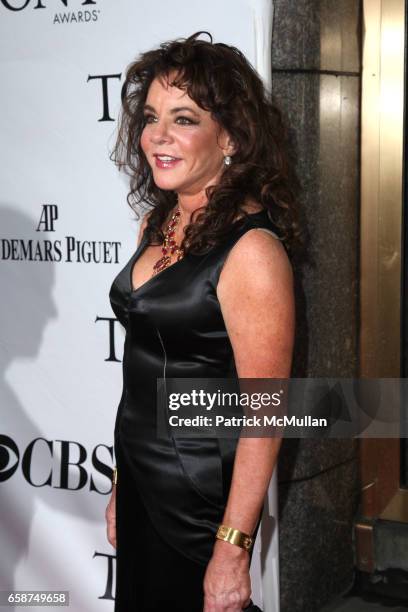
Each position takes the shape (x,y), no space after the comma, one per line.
(171,493)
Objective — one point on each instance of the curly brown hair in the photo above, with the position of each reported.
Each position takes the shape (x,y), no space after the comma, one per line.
(220,80)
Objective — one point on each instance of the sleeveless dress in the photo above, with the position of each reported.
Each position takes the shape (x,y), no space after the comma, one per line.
(171,492)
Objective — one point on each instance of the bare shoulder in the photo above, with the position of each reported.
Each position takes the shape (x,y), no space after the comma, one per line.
(258,260)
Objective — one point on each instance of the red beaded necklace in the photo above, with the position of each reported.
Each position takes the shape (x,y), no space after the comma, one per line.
(169,245)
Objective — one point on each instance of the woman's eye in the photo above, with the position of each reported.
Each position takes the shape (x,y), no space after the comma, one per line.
(185,121)
(179,120)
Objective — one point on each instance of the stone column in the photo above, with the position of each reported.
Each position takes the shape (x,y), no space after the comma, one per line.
(316,70)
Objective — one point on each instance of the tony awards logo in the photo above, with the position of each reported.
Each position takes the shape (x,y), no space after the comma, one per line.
(78,12)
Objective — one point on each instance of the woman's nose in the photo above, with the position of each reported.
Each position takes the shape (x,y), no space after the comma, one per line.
(160,133)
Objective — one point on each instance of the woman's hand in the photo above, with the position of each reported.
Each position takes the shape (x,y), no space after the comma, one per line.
(227,585)
(110,515)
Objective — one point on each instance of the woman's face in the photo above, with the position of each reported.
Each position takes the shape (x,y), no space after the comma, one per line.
(183,145)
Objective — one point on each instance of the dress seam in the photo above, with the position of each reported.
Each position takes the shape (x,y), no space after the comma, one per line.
(174,443)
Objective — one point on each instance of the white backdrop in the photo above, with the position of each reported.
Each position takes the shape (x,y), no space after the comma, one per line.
(65,232)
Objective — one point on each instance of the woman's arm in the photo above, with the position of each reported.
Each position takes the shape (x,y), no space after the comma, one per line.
(256,295)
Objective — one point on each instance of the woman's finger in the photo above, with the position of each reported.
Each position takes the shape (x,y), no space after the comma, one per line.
(111,533)
(110,517)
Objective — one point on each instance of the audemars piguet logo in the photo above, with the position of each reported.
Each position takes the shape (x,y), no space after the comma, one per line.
(78,12)
(69,249)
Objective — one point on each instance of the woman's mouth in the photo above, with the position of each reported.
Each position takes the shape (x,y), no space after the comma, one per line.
(166,161)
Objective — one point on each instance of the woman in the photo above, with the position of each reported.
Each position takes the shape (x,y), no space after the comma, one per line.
(203,296)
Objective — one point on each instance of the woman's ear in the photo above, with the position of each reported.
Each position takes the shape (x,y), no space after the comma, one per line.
(226,143)
(231,147)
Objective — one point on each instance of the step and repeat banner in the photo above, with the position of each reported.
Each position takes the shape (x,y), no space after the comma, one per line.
(65,232)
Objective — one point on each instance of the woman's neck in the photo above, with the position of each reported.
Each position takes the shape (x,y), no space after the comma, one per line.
(187,205)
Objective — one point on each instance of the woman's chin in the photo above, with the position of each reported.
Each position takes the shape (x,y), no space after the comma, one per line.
(166,184)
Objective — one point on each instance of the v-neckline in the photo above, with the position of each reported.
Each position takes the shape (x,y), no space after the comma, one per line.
(139,251)
(142,246)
